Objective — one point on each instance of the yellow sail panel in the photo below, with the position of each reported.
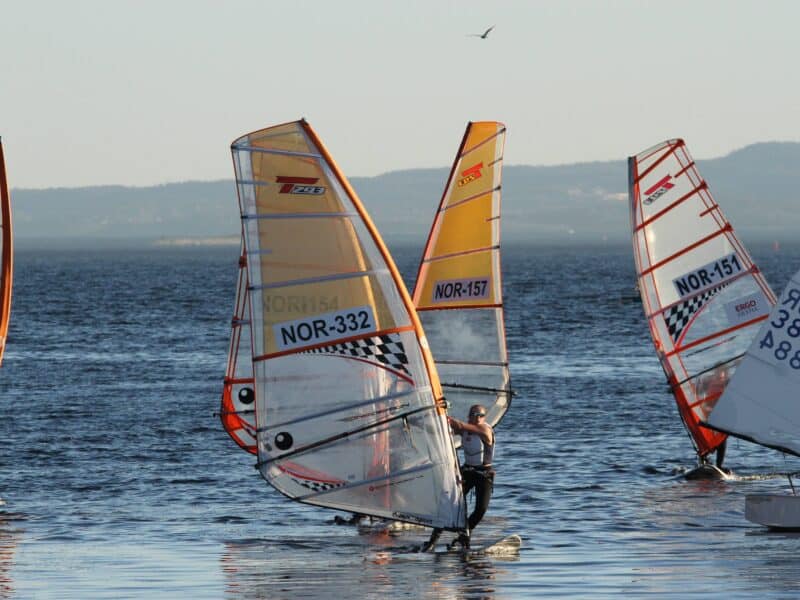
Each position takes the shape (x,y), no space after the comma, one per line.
(458,292)
(329,276)
(6,255)
(465,225)
(462,280)
(462,253)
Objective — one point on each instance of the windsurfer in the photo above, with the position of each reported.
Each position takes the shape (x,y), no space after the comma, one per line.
(477,441)
(712,390)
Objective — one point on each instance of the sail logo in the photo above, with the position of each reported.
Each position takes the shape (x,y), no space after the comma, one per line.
(471,174)
(300,185)
(659,189)
(747,308)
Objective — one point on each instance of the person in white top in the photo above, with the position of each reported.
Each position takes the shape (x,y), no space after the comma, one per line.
(477,440)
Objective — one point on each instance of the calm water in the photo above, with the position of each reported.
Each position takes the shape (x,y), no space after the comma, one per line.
(119,481)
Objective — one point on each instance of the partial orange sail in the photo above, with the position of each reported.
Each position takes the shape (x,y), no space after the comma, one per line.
(238,392)
(458,293)
(6,256)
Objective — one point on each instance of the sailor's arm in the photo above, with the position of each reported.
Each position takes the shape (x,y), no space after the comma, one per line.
(481,429)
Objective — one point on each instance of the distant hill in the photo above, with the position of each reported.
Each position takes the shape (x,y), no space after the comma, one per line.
(757,187)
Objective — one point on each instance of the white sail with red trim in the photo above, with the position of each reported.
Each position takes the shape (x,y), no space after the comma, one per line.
(702,294)
(348,407)
(458,292)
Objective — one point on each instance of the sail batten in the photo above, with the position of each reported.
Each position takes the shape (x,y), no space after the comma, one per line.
(371,481)
(345,390)
(373,427)
(458,290)
(302,216)
(349,407)
(310,280)
(275,152)
(702,295)
(453,205)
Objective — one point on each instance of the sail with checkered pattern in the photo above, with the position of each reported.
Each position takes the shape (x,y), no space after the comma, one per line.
(702,294)
(458,291)
(6,255)
(348,407)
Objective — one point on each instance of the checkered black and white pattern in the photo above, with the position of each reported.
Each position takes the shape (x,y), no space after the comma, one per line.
(317,486)
(386,349)
(679,315)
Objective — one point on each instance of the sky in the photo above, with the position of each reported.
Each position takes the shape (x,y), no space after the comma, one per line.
(97,92)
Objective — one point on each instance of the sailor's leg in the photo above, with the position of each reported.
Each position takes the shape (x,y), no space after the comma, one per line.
(721,454)
(462,538)
(428,546)
(483,493)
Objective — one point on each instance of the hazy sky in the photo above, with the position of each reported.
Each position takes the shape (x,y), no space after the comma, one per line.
(146,92)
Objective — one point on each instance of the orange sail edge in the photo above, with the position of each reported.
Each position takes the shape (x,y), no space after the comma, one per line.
(6,266)
(387,257)
(705,440)
(237,428)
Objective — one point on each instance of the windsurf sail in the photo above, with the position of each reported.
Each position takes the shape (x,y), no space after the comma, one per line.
(6,255)
(348,408)
(703,296)
(237,411)
(458,292)
(760,403)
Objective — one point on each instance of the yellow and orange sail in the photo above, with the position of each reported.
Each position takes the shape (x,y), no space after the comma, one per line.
(330,379)
(458,292)
(6,255)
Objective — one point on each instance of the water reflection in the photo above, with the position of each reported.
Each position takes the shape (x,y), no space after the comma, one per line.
(10,537)
(377,566)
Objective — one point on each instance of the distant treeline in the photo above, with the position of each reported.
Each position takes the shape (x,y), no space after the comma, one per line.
(756,186)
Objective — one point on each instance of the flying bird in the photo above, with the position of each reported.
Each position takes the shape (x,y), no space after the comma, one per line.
(483,35)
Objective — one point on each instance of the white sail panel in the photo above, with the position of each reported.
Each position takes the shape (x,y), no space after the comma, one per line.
(458,291)
(348,404)
(703,296)
(760,403)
